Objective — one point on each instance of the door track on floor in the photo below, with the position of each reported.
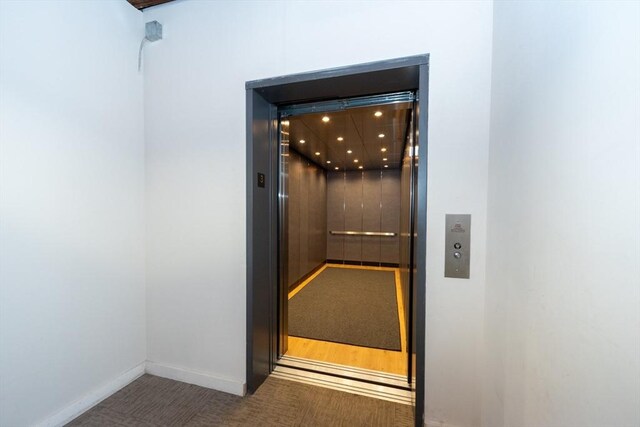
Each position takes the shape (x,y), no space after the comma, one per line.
(365,382)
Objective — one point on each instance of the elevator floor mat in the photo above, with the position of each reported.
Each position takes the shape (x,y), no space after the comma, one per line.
(350,306)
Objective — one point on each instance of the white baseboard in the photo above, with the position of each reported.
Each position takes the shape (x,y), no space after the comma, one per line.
(87,402)
(198,378)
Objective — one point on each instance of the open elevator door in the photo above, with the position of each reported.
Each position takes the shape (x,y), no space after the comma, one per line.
(346,210)
(263,99)
(355,129)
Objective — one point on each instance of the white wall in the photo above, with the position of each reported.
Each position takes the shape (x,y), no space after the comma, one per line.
(563,271)
(72,300)
(195,136)
(562,295)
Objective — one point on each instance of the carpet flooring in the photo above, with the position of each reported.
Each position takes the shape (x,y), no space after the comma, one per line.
(154,401)
(350,306)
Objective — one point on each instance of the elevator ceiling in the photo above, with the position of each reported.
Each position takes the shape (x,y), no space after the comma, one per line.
(364,138)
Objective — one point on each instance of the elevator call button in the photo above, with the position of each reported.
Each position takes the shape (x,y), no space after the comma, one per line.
(457,244)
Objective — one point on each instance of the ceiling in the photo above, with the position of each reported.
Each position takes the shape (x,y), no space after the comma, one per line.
(360,130)
(141,4)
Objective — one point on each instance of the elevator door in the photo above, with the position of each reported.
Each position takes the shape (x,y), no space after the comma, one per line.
(366,159)
(263,99)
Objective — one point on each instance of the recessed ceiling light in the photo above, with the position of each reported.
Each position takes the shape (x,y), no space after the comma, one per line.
(359,167)
(317,153)
(349,151)
(377,113)
(336,168)
(384,159)
(326,119)
(386,166)
(383,149)
(355,160)
(381,135)
(340,138)
(328,161)
(302,141)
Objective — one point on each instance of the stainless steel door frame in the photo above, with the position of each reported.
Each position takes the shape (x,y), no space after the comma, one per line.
(345,104)
(262,99)
(420,154)
(283,240)
(262,261)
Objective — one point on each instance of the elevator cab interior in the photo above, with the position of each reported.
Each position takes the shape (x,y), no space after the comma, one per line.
(346,236)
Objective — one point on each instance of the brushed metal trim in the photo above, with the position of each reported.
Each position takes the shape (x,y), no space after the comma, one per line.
(390,394)
(338,72)
(408,73)
(393,380)
(345,104)
(363,233)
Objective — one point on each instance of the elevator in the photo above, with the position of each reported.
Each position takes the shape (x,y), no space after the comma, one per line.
(345,239)
(336,221)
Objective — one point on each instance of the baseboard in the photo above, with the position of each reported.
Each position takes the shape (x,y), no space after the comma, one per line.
(298,282)
(433,423)
(90,400)
(197,378)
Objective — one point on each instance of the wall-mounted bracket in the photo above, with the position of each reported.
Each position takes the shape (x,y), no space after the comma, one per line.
(153,31)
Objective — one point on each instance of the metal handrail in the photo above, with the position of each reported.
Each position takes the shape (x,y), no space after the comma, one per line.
(363,233)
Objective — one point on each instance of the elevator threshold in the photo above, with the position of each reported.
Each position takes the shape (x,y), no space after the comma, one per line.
(364,382)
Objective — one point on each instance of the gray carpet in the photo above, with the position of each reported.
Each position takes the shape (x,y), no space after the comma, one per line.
(154,401)
(349,306)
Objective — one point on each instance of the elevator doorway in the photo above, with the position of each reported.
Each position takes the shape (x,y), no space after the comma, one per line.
(346,217)
(266,99)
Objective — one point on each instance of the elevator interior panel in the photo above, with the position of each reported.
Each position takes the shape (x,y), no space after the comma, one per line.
(355,149)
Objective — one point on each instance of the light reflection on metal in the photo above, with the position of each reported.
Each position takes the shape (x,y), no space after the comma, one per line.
(363,233)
